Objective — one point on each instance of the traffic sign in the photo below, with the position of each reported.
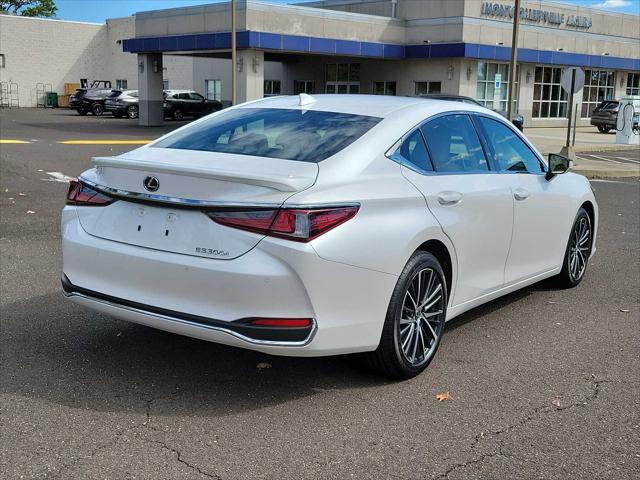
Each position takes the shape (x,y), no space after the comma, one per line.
(565,80)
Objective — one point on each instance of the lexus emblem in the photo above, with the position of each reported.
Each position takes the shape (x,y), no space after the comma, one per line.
(151,183)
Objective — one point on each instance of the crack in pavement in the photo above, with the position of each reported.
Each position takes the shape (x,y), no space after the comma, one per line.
(536,413)
(182,460)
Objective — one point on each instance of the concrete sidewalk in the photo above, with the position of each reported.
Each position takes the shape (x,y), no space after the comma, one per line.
(617,160)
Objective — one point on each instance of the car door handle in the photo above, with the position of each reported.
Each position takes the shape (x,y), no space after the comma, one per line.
(449,198)
(521,194)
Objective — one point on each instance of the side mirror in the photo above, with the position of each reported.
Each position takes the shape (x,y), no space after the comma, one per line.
(518,121)
(557,165)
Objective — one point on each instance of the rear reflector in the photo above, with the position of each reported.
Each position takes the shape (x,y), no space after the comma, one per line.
(301,225)
(80,194)
(282,322)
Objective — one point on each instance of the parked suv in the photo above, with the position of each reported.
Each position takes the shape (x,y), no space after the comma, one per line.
(87,100)
(122,102)
(182,103)
(605,115)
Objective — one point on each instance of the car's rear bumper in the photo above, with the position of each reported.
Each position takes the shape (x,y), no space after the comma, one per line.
(208,298)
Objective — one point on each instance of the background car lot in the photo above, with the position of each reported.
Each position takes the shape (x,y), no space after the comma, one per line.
(543,383)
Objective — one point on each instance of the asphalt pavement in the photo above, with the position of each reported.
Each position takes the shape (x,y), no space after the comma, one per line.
(543,383)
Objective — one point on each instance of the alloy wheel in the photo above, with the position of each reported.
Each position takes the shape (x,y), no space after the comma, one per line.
(422,317)
(579,249)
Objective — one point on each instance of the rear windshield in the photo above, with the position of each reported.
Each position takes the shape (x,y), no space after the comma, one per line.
(306,136)
(115,93)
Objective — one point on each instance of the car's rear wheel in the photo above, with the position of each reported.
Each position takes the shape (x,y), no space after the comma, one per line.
(414,324)
(604,129)
(177,114)
(97,109)
(578,251)
(132,111)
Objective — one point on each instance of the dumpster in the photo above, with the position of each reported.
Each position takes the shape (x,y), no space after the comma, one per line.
(52,99)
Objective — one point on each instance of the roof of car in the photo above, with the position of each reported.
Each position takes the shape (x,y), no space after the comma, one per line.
(180,91)
(371,105)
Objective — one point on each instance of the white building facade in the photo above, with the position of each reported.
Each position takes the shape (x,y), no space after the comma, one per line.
(403,47)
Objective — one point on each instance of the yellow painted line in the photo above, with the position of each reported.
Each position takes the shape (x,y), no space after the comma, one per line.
(13,141)
(105,142)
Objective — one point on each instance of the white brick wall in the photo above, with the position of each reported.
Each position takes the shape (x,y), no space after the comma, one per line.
(50,51)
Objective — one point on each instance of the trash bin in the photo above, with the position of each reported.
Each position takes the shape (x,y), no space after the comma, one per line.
(52,99)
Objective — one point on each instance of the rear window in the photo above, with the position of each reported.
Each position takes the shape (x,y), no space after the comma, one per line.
(115,93)
(306,136)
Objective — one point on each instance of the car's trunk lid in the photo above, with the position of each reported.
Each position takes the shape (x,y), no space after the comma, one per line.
(189,183)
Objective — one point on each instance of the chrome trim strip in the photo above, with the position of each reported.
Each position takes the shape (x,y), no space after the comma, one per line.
(188,202)
(147,197)
(239,336)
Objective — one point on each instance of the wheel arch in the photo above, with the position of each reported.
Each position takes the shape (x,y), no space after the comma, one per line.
(439,250)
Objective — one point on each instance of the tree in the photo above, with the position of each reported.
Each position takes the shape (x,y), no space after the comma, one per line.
(29,8)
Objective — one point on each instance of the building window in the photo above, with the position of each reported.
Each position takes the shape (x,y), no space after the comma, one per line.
(599,85)
(343,78)
(490,76)
(304,86)
(271,88)
(121,84)
(213,89)
(428,88)
(549,98)
(1,60)
(384,88)
(633,83)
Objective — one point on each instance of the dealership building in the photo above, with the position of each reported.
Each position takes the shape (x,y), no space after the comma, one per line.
(385,47)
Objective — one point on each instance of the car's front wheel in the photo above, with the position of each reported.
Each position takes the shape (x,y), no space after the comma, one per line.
(578,251)
(414,324)
(132,111)
(604,129)
(97,109)
(81,111)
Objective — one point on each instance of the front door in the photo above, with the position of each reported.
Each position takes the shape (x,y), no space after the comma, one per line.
(473,205)
(540,228)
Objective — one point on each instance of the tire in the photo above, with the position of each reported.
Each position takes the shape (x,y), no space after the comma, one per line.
(177,114)
(132,112)
(400,353)
(117,114)
(604,129)
(81,111)
(97,109)
(576,258)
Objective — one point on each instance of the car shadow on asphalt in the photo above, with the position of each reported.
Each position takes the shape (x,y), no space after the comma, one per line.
(57,352)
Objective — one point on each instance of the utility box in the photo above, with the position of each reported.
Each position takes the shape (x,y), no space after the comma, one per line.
(627,128)
(52,100)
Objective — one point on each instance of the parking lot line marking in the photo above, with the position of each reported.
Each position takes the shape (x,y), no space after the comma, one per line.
(105,142)
(627,159)
(19,142)
(603,158)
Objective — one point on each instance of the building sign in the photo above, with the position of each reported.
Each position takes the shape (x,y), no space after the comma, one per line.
(533,15)
(498,81)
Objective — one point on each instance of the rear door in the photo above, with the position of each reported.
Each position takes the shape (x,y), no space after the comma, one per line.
(472,204)
(196,103)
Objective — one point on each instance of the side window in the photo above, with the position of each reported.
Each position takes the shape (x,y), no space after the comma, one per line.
(196,96)
(454,144)
(510,153)
(414,151)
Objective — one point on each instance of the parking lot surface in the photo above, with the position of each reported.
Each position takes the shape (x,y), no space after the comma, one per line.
(543,383)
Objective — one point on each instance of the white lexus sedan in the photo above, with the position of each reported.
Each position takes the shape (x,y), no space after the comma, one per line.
(324,225)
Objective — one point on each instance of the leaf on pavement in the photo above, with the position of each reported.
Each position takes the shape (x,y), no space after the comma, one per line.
(29,212)
(442,396)
(556,402)
(263,365)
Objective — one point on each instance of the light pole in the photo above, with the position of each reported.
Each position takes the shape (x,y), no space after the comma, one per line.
(234,93)
(514,59)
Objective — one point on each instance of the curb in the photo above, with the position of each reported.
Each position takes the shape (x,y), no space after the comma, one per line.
(601,174)
(597,148)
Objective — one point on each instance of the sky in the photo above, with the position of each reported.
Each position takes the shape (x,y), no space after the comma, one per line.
(100,10)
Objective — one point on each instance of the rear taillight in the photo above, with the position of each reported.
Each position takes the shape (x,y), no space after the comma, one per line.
(301,225)
(82,195)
